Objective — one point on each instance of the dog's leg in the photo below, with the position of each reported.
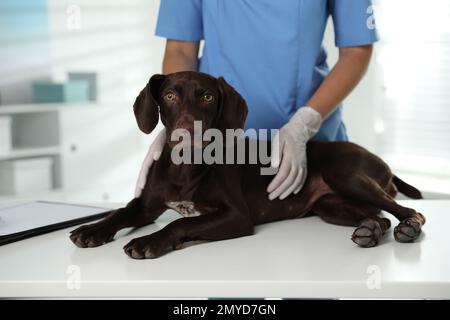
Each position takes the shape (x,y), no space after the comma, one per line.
(364,188)
(213,226)
(335,209)
(103,231)
(348,212)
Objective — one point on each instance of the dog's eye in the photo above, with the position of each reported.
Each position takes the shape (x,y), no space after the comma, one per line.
(207,98)
(170,96)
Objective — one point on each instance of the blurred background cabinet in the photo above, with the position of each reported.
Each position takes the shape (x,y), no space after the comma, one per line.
(95,149)
(99,150)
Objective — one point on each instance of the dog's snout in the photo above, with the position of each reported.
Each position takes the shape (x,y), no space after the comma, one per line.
(185,122)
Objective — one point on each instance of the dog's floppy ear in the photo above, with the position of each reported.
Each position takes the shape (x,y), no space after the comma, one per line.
(146,105)
(232,107)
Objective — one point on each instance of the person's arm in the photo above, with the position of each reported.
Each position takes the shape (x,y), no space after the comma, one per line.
(180,56)
(290,144)
(343,78)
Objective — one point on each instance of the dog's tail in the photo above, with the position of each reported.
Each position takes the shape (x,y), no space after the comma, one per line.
(407,189)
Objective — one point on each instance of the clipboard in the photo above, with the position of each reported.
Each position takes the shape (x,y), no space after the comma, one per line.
(36,218)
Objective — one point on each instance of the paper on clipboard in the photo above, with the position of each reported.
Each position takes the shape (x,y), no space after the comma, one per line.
(40,214)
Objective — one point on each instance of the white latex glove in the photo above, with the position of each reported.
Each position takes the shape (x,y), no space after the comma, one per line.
(289,146)
(153,154)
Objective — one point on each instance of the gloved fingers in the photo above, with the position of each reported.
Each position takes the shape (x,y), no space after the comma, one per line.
(146,165)
(143,175)
(155,151)
(153,154)
(156,155)
(142,178)
(137,192)
(282,173)
(158,144)
(294,185)
(140,184)
(277,151)
(304,174)
(286,184)
(148,160)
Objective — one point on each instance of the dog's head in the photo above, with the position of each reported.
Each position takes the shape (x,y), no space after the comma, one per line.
(185,97)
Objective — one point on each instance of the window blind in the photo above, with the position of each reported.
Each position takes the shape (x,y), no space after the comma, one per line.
(413,111)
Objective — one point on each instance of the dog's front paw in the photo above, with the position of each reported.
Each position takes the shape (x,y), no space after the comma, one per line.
(148,247)
(92,235)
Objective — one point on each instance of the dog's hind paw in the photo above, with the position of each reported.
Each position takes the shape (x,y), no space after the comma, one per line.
(368,233)
(408,230)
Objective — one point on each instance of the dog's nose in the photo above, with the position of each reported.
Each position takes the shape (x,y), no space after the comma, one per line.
(185,122)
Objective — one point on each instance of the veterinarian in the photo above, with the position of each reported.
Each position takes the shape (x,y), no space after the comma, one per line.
(272,53)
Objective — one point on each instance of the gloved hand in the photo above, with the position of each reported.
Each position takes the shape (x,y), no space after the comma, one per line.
(289,146)
(153,154)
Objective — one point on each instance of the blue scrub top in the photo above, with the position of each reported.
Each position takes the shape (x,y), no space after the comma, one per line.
(270,51)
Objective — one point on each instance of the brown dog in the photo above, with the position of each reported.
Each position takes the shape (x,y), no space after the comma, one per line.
(346,184)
